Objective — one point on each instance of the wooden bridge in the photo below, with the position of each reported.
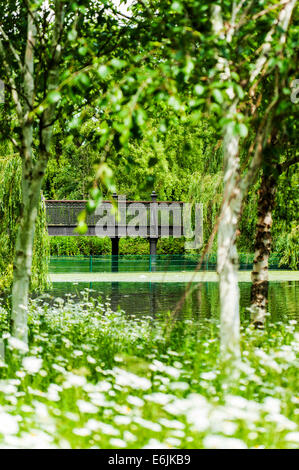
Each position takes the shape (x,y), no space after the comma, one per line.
(62,219)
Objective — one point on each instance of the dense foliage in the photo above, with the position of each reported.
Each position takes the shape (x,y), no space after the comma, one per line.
(182,162)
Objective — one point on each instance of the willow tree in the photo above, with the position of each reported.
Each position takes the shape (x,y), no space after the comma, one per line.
(10,206)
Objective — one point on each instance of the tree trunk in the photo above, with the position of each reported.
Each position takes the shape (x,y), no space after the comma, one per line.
(227,256)
(23,256)
(262,249)
(33,171)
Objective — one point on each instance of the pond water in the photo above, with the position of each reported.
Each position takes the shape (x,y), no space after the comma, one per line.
(201,304)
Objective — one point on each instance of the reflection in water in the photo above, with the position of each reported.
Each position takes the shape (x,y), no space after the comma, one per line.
(202,303)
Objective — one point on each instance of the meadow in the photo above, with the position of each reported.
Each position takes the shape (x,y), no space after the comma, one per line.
(95,378)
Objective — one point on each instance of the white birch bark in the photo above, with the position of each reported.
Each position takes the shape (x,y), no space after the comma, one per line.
(283,21)
(23,258)
(33,172)
(25,236)
(227,256)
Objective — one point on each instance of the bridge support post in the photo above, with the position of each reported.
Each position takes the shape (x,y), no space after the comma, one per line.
(153,253)
(153,231)
(115,243)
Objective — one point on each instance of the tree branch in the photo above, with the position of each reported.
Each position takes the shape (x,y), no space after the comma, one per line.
(282,21)
(282,167)
(12,49)
(11,81)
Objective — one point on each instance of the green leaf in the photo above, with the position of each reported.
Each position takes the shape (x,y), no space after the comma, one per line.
(176,7)
(189,66)
(84,79)
(243,130)
(163,126)
(81,228)
(174,103)
(199,89)
(75,122)
(81,216)
(239,91)
(54,96)
(240,129)
(95,194)
(217,95)
(103,71)
(118,64)
(140,117)
(91,205)
(72,35)
(83,50)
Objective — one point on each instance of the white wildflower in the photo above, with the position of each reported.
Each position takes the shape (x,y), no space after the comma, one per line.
(292,436)
(32,364)
(214,441)
(179,386)
(281,422)
(36,439)
(122,420)
(53,392)
(148,424)
(173,441)
(169,370)
(159,397)
(118,443)
(8,423)
(272,405)
(74,380)
(178,433)
(107,429)
(86,407)
(103,386)
(124,378)
(128,436)
(83,432)
(208,375)
(198,418)
(155,444)
(16,343)
(135,401)
(172,423)
(7,387)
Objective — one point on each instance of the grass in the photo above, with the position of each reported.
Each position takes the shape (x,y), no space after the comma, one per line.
(93,378)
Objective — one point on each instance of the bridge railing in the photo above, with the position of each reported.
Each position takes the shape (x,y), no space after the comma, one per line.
(65,212)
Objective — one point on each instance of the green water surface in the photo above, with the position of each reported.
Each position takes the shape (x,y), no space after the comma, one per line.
(202,303)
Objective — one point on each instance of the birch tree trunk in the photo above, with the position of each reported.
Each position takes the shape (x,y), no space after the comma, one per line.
(262,249)
(33,171)
(30,199)
(235,188)
(227,256)
(263,239)
(23,257)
